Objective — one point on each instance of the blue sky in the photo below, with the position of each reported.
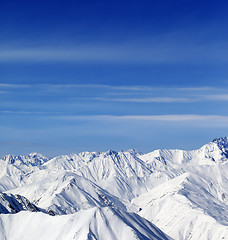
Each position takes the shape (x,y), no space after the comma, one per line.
(98,75)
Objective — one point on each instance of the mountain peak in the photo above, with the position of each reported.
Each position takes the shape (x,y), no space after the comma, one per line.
(111,152)
(222,141)
(29,159)
(133,152)
(222,144)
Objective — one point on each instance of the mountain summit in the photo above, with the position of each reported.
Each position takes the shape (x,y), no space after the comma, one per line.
(222,144)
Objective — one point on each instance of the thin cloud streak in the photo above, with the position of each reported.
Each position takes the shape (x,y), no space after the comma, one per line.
(88,54)
(6,85)
(157,53)
(172,118)
(222,97)
(28,112)
(145,100)
(100,86)
(114,87)
(163,94)
(145,94)
(205,88)
(179,117)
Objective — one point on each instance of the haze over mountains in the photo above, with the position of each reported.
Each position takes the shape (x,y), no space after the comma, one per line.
(164,194)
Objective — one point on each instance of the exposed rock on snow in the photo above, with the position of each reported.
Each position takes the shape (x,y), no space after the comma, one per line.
(10,203)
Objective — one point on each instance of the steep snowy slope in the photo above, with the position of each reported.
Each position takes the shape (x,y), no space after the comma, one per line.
(65,193)
(123,174)
(95,223)
(187,207)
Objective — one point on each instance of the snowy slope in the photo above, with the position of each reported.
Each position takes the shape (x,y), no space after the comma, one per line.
(186,208)
(193,202)
(91,224)
(65,193)
(14,168)
(113,171)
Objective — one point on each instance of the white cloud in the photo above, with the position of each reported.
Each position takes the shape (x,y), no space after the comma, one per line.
(78,54)
(147,100)
(111,87)
(221,97)
(171,118)
(145,94)
(9,85)
(151,52)
(28,112)
(187,117)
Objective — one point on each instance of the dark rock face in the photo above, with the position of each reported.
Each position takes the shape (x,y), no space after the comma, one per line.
(223,145)
(10,203)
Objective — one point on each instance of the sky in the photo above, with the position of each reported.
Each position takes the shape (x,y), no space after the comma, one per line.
(98,75)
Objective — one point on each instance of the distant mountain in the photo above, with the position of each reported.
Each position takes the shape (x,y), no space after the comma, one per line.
(184,193)
(32,159)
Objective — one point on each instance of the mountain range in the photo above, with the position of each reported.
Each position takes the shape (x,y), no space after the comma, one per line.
(164,194)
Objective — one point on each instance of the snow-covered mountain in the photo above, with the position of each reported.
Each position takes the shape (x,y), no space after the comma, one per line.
(184,193)
(94,223)
(186,207)
(66,193)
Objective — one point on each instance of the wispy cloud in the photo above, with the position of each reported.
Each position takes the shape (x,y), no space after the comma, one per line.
(111,87)
(104,93)
(9,85)
(203,88)
(152,53)
(221,97)
(100,86)
(90,86)
(187,117)
(28,112)
(76,54)
(171,118)
(145,100)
